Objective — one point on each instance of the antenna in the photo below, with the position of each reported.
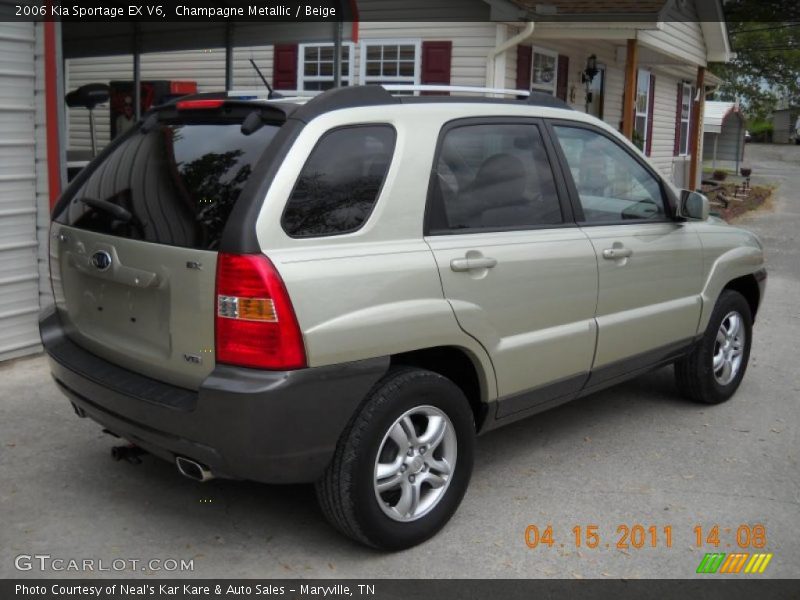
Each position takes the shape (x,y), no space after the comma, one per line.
(272,93)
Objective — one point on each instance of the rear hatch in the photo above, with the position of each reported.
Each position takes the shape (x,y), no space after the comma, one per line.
(134,243)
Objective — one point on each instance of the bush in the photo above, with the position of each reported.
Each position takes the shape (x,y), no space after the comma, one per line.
(719,175)
(759,127)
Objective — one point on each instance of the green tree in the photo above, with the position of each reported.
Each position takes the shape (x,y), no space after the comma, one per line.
(765,35)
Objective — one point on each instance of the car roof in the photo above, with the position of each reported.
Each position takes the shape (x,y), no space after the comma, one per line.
(306,108)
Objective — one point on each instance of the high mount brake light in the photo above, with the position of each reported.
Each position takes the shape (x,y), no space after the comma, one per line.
(208,104)
(255,322)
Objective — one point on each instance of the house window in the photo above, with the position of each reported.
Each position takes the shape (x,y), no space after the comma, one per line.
(544,71)
(642,109)
(390,62)
(316,64)
(686,118)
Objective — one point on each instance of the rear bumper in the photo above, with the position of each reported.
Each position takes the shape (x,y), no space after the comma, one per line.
(268,426)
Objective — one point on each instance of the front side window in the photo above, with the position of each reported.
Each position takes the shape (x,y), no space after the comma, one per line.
(317,66)
(612,185)
(544,71)
(492,177)
(340,182)
(390,62)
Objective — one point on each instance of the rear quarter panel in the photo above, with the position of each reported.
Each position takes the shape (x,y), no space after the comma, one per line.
(376,291)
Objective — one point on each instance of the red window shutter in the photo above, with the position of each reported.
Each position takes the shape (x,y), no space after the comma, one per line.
(650,119)
(524,58)
(284,67)
(694,106)
(676,149)
(563,77)
(436,60)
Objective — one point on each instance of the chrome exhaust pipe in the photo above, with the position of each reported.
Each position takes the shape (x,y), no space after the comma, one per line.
(193,469)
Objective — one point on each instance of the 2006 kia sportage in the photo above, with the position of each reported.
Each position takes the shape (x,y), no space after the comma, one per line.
(347,290)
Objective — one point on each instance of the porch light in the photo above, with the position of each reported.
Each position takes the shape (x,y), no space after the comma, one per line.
(591,70)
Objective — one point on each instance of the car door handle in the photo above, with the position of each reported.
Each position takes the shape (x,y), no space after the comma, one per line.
(614,253)
(467,264)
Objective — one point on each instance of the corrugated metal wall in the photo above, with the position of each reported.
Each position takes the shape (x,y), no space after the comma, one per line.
(782,122)
(19,285)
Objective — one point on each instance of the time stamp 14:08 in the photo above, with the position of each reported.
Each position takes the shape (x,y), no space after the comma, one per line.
(636,536)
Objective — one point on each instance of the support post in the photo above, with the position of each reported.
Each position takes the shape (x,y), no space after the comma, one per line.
(629,96)
(337,53)
(228,57)
(53,103)
(137,73)
(695,167)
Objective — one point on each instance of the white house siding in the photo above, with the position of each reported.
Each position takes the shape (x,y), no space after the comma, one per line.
(19,287)
(472,43)
(664,107)
(680,35)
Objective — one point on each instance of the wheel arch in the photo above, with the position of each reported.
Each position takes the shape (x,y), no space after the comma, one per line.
(461,367)
(747,286)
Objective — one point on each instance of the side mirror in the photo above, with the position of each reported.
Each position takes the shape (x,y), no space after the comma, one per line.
(693,205)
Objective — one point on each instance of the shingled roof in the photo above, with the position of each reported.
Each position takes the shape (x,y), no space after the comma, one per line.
(616,9)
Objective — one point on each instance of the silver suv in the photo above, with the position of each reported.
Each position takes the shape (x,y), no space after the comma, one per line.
(346,291)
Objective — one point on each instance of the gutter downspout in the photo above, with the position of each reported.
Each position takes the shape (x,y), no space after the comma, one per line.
(497,50)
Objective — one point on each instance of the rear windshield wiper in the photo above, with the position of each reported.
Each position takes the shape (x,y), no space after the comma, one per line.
(115,210)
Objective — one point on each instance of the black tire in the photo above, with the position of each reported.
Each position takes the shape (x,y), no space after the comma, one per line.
(694,373)
(346,492)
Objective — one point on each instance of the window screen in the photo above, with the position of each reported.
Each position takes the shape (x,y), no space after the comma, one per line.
(340,182)
(492,176)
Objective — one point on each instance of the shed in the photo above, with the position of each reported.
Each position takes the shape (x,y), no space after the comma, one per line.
(783,122)
(723,134)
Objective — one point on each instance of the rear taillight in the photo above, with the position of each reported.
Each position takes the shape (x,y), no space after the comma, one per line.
(255,322)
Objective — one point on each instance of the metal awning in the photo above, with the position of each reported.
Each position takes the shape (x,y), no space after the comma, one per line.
(80,39)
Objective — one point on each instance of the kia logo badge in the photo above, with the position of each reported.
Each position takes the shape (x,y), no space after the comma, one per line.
(101,260)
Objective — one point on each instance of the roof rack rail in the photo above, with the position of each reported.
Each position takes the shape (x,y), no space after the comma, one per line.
(344,97)
(533,98)
(318,103)
(464,89)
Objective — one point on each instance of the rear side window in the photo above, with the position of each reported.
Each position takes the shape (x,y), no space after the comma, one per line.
(492,177)
(341,181)
(174,185)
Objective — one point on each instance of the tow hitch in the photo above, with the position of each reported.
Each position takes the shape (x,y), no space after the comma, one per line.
(129,453)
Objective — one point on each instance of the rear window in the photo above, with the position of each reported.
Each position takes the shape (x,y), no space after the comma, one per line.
(340,182)
(174,185)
